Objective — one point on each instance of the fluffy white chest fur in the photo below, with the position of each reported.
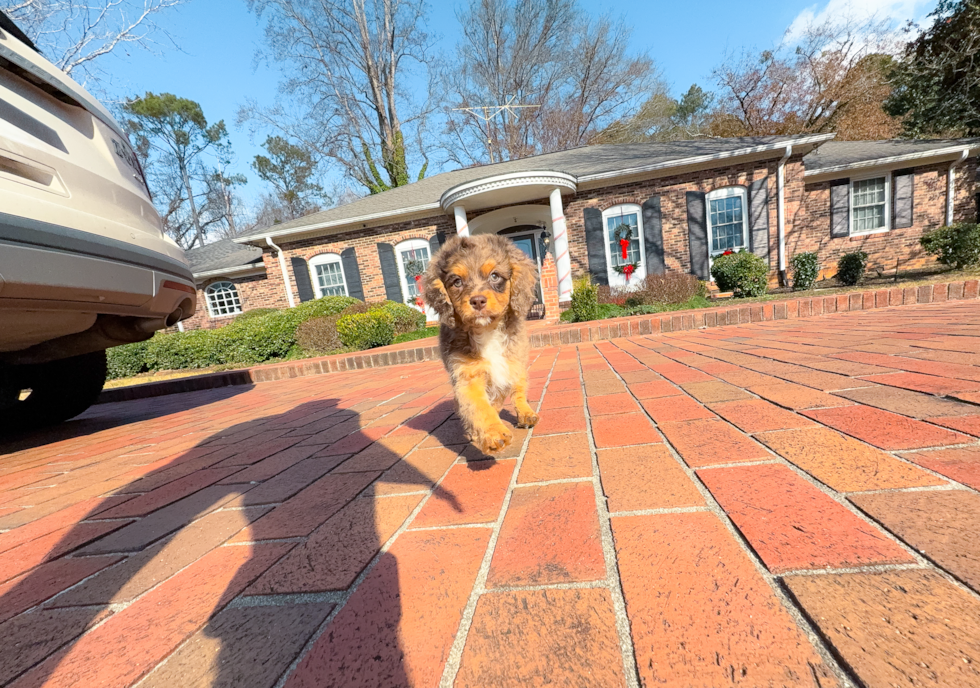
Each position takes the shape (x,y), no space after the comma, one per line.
(492,346)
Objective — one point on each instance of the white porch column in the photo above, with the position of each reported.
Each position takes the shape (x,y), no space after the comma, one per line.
(560,236)
(462,228)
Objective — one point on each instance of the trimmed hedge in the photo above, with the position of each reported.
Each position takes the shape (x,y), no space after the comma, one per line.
(366,330)
(743,273)
(126,361)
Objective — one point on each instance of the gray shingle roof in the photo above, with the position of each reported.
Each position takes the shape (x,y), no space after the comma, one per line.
(579,162)
(222,255)
(838,153)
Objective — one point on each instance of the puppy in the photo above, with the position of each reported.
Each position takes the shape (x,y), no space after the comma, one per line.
(482,288)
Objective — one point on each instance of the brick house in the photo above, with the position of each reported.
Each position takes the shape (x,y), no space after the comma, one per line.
(677,204)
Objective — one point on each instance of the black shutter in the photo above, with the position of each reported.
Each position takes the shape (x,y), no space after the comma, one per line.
(759,218)
(697,234)
(435,243)
(653,236)
(352,273)
(389,272)
(840,208)
(977,199)
(904,198)
(595,244)
(301,272)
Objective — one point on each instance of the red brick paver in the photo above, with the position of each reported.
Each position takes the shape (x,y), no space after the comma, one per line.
(693,505)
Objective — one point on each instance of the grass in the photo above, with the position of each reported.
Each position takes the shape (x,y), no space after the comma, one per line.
(417,334)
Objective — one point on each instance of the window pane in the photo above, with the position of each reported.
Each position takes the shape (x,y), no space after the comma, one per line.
(414,260)
(615,250)
(223,299)
(330,279)
(727,223)
(868,204)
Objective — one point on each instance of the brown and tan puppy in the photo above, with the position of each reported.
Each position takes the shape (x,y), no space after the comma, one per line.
(482,287)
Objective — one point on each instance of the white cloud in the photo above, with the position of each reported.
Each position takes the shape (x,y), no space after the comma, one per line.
(897,12)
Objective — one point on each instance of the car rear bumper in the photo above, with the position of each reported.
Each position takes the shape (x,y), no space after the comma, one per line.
(49,267)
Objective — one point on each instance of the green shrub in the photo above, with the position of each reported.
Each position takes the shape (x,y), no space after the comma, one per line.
(585,301)
(320,308)
(404,317)
(805,269)
(255,313)
(126,360)
(611,310)
(366,330)
(258,339)
(743,273)
(194,349)
(956,245)
(851,267)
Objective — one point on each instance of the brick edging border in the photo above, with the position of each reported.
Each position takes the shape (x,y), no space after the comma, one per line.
(574,333)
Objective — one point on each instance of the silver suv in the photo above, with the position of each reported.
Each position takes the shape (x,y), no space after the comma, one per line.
(84,263)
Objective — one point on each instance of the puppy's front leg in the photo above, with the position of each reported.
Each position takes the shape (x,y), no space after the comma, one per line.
(526,417)
(479,417)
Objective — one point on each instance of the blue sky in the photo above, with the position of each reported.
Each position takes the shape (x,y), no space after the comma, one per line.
(219,41)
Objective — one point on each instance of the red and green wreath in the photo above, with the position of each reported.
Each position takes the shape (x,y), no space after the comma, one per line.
(414,269)
(624,234)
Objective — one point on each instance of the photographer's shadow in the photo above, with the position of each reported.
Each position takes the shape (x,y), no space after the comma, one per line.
(225,585)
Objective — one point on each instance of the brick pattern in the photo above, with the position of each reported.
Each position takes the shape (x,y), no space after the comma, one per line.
(305,535)
(807,229)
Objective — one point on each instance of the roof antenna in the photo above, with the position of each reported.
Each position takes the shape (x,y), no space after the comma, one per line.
(488,112)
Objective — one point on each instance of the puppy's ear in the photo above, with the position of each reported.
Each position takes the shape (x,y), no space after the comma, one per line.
(435,293)
(523,281)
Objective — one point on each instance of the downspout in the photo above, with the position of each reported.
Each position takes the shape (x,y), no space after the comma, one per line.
(285,274)
(781,213)
(951,185)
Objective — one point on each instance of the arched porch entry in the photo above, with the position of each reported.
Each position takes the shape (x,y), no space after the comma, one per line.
(529,227)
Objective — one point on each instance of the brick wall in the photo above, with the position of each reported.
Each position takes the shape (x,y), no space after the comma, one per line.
(808,224)
(255,291)
(673,206)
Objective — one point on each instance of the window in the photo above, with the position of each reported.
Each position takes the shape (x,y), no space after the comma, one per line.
(223,299)
(327,272)
(727,220)
(869,203)
(413,257)
(612,219)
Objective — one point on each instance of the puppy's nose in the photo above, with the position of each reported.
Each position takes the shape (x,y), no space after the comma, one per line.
(478,302)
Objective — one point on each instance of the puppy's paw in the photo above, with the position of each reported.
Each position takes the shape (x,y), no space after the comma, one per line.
(495,438)
(527,420)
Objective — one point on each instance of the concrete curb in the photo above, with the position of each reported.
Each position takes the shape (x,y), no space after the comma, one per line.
(571,334)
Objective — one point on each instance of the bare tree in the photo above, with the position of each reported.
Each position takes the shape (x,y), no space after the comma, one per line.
(832,78)
(348,67)
(544,53)
(74,34)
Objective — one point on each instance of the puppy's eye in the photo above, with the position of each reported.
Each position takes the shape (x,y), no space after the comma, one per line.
(456,282)
(495,278)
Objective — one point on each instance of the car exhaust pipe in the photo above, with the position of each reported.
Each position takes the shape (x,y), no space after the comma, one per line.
(108,331)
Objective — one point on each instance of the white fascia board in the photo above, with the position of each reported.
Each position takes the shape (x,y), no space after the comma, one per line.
(240,271)
(360,219)
(893,160)
(775,147)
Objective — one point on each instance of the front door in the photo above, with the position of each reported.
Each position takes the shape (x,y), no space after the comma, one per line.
(528,242)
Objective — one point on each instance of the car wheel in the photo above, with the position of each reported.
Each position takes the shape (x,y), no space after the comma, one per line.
(59,390)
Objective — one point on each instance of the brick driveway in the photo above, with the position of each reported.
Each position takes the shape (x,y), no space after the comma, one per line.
(788,503)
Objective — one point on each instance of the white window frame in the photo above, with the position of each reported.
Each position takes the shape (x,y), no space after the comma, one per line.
(325,259)
(615,279)
(727,192)
(208,292)
(888,203)
(410,245)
